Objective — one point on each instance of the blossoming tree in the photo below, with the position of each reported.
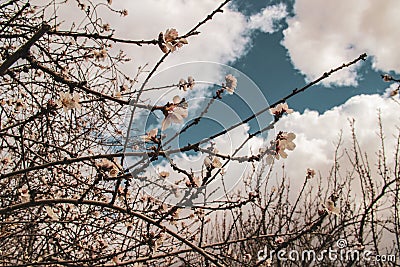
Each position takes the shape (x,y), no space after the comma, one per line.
(69,198)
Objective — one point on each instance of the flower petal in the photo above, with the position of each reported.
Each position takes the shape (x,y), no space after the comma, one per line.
(290,136)
(216,163)
(153,132)
(290,145)
(183,112)
(51,213)
(283,154)
(176,99)
(166,123)
(207,161)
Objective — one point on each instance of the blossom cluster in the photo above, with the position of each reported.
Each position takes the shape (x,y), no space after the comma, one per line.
(17,103)
(170,41)
(280,109)
(196,182)
(68,101)
(107,165)
(151,136)
(212,162)
(174,112)
(276,150)
(230,83)
(184,85)
(331,208)
(100,54)
(388,78)
(310,173)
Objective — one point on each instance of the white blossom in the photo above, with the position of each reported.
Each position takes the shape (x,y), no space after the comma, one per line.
(169,40)
(387,77)
(191,82)
(331,208)
(68,102)
(51,213)
(24,194)
(150,136)
(163,174)
(231,83)
(280,109)
(175,113)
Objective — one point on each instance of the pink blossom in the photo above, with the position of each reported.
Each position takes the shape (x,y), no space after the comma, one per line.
(170,35)
(174,113)
(280,109)
(231,83)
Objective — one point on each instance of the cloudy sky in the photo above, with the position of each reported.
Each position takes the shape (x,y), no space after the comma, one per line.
(282,45)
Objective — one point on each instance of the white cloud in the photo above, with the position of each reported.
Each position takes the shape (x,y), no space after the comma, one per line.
(222,40)
(325,34)
(316,139)
(266,20)
(318,134)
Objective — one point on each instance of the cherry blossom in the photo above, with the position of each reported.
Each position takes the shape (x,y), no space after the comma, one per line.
(6,160)
(268,263)
(279,240)
(19,105)
(184,85)
(113,172)
(387,77)
(174,112)
(117,94)
(68,102)
(112,168)
(100,54)
(106,27)
(170,41)
(24,194)
(280,109)
(231,83)
(172,46)
(163,174)
(191,82)
(176,214)
(115,260)
(150,136)
(124,12)
(285,141)
(277,147)
(170,35)
(331,208)
(394,92)
(51,213)
(212,161)
(197,182)
(247,257)
(310,173)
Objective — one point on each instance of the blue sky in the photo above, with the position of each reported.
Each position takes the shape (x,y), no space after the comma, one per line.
(268,64)
(273,72)
(279,56)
